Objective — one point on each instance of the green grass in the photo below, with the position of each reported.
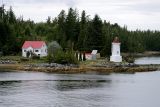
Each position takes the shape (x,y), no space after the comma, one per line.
(18,59)
(92,62)
(14,58)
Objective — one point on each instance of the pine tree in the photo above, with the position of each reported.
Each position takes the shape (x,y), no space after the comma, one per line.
(71,21)
(95,36)
(61,29)
(12,17)
(83,32)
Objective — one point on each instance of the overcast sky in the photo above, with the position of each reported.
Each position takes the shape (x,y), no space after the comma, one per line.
(141,14)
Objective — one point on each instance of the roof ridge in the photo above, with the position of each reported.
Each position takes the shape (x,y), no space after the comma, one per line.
(33,44)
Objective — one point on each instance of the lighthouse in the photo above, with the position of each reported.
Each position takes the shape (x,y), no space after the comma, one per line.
(116,56)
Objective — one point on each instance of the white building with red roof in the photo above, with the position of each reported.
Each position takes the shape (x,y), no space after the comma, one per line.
(37,47)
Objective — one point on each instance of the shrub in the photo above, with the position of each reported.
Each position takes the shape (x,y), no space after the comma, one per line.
(35,56)
(24,59)
(70,57)
(65,57)
(49,58)
(53,47)
(129,59)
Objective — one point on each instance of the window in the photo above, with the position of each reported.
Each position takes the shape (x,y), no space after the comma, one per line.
(117,52)
(36,50)
(24,50)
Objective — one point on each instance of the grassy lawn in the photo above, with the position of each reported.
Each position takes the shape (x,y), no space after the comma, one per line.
(19,59)
(93,62)
(14,58)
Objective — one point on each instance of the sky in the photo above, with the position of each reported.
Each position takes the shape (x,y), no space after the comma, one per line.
(135,14)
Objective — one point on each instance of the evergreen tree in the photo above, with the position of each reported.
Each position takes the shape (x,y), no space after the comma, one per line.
(95,37)
(49,20)
(61,29)
(71,21)
(12,17)
(83,32)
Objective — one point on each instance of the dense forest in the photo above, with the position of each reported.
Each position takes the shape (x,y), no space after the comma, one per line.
(74,32)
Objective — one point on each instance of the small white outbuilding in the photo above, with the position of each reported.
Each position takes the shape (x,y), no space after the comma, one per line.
(37,47)
(94,53)
(116,56)
(91,55)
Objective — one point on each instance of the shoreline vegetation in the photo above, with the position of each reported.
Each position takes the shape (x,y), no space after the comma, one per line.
(93,66)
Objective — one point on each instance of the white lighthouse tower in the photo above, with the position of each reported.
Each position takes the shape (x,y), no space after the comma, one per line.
(116,57)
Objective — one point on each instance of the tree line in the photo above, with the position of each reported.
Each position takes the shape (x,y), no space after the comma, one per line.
(73,32)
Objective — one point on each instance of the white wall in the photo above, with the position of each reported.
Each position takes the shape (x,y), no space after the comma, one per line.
(116,49)
(116,57)
(24,51)
(43,51)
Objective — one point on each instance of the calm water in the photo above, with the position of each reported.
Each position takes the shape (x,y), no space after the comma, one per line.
(37,89)
(148,60)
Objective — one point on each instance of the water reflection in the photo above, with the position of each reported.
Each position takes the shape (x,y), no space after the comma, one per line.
(68,85)
(7,83)
(8,87)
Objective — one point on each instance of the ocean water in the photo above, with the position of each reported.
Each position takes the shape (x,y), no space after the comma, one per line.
(38,89)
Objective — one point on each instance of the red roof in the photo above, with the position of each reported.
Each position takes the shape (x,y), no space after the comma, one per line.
(33,44)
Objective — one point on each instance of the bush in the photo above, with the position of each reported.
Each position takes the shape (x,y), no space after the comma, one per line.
(35,56)
(129,59)
(24,59)
(65,57)
(49,58)
(53,47)
(70,57)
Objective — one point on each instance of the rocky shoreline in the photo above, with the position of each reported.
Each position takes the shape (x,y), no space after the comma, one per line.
(88,69)
(7,62)
(100,65)
(71,68)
